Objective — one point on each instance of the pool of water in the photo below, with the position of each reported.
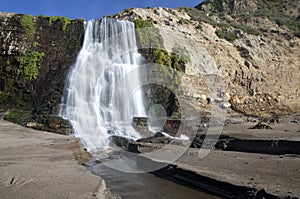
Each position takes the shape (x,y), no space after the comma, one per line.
(143,185)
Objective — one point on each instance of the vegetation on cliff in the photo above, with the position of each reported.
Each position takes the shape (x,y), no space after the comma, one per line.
(35,58)
(30,64)
(170,65)
(28,24)
(283,13)
(150,41)
(226,27)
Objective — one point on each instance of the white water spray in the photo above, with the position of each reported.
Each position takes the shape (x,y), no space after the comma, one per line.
(98,99)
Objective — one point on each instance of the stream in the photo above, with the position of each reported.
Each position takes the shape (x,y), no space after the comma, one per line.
(143,185)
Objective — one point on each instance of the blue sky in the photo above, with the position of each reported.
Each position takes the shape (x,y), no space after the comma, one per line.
(86,9)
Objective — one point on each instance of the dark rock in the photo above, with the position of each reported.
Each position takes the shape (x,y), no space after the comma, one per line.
(197,141)
(221,142)
(59,43)
(54,124)
(158,138)
(120,141)
(263,194)
(159,134)
(140,122)
(171,127)
(261,125)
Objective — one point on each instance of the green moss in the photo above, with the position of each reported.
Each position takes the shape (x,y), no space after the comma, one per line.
(171,64)
(8,62)
(18,116)
(65,21)
(177,59)
(35,44)
(27,22)
(4,97)
(30,63)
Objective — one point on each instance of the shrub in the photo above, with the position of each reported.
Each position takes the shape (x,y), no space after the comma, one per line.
(162,57)
(228,35)
(140,23)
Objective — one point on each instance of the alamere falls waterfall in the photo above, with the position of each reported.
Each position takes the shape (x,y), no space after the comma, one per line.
(100,99)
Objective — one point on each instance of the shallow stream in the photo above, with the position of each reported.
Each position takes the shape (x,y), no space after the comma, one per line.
(144,185)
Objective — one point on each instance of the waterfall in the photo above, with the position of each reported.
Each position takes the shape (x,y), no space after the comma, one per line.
(103,92)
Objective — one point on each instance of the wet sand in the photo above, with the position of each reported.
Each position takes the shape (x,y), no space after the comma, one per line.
(35,164)
(278,175)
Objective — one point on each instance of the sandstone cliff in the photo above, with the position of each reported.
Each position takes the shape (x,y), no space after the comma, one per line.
(245,52)
(253,45)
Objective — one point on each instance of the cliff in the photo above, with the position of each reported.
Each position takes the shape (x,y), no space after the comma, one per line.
(35,57)
(252,45)
(244,55)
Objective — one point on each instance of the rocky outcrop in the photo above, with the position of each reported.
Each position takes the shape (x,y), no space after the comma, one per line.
(35,58)
(239,55)
(256,56)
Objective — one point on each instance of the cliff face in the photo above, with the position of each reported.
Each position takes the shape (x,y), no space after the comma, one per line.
(255,52)
(35,56)
(245,52)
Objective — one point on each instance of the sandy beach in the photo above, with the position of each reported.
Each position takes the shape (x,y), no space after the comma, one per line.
(35,164)
(258,162)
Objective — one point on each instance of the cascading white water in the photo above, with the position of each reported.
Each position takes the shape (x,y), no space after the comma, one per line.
(99,98)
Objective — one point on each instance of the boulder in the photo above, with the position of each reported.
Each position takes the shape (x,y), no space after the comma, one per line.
(120,141)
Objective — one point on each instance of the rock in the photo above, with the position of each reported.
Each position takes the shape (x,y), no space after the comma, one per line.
(120,141)
(196,96)
(261,125)
(159,134)
(34,125)
(171,127)
(140,122)
(225,105)
(221,142)
(158,138)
